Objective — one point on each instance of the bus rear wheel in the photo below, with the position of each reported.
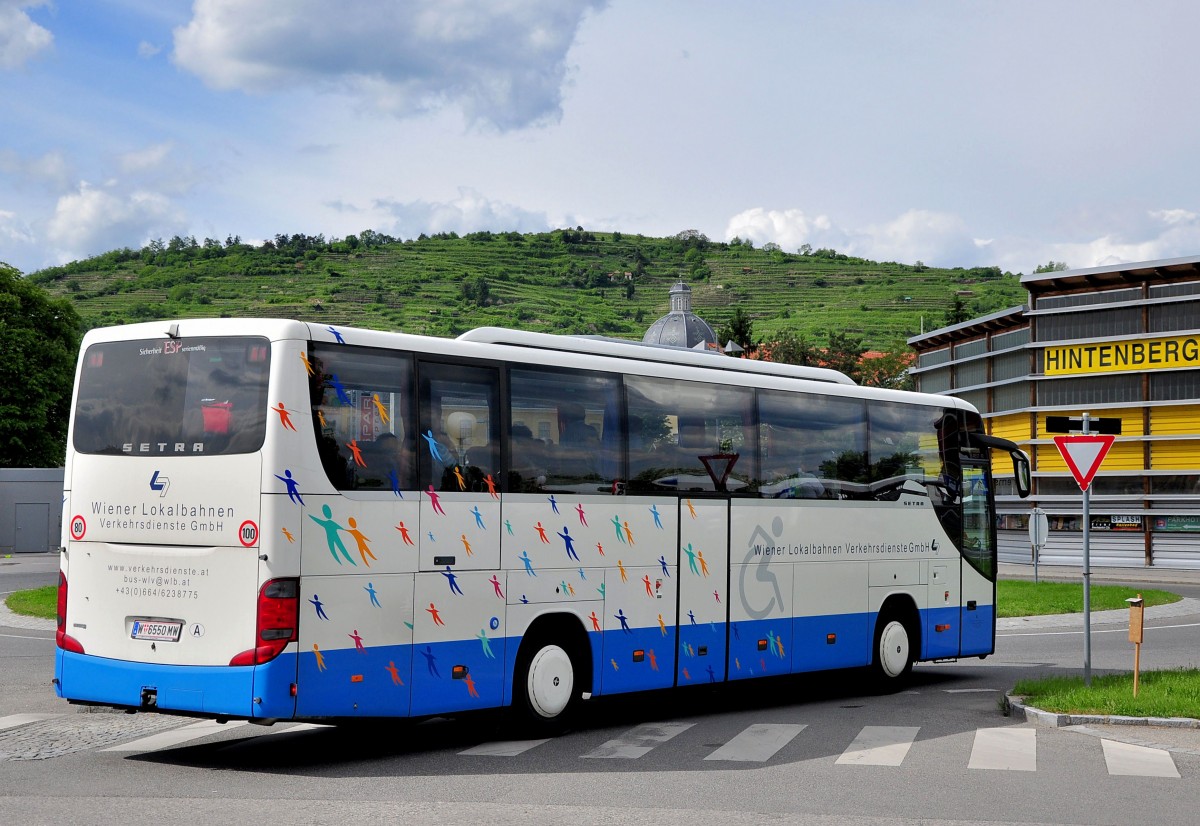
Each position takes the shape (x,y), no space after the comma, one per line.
(546,686)
(893,660)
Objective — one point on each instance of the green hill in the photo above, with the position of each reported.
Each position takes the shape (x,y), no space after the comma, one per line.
(566,281)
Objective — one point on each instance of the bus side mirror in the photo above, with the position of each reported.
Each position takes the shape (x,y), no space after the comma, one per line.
(1022,473)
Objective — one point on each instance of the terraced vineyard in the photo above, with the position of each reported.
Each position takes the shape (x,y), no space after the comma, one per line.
(566,281)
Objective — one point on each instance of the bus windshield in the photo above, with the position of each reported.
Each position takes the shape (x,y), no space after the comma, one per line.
(177,397)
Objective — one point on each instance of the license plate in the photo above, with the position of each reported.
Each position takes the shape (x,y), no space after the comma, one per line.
(157,630)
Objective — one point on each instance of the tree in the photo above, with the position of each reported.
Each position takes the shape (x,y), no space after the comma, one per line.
(740,330)
(958,312)
(41,340)
(1053,266)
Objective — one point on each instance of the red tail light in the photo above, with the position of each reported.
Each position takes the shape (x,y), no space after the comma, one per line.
(61,638)
(278,619)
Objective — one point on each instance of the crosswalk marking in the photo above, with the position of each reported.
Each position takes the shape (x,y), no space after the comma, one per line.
(757,743)
(879,746)
(1009,749)
(1137,761)
(505,748)
(167,739)
(638,741)
(14,720)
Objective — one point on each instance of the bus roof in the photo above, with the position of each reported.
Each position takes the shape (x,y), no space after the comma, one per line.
(639,351)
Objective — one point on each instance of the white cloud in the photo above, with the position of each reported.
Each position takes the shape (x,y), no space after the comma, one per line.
(470,212)
(49,170)
(20,38)
(93,220)
(147,50)
(502,63)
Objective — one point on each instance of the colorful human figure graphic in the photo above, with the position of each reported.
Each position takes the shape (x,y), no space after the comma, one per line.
(404,535)
(466,543)
(662,561)
(435,450)
(336,335)
(491,486)
(395,672)
(621,568)
(616,521)
(691,508)
(508,527)
(649,589)
(320,657)
(338,388)
(562,587)
(628,533)
(478,518)
(288,535)
(321,418)
(716,596)
(595,621)
(431,661)
(486,643)
(624,620)
(524,557)
(653,661)
(364,550)
(356,452)
(582,575)
(600,590)
(308,368)
(496,586)
(470,684)
(657,518)
(582,515)
(358,641)
(435,501)
(320,606)
(452,580)
(692,617)
(553,503)
(691,555)
(285,416)
(380,409)
(370,589)
(662,626)
(458,477)
(433,612)
(703,564)
(614,665)
(394,478)
(331,535)
(569,542)
(293,487)
(541,532)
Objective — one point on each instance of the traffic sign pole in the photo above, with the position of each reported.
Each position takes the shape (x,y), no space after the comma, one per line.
(1087,575)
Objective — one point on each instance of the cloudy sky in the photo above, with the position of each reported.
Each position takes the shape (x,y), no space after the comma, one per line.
(1005,133)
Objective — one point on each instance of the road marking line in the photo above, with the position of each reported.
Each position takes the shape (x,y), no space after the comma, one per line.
(757,743)
(14,720)
(1137,761)
(879,746)
(504,748)
(1007,749)
(167,739)
(639,740)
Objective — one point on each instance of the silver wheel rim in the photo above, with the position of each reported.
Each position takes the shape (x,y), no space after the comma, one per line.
(550,681)
(893,649)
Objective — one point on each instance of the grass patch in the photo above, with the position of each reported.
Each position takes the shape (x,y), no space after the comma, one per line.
(1174,693)
(37,602)
(1020,598)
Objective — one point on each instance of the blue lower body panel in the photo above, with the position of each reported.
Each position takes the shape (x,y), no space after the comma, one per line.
(209,690)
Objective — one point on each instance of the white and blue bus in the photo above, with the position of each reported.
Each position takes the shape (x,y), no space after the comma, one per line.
(276,520)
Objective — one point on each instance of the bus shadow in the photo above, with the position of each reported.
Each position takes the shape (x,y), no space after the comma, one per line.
(388,748)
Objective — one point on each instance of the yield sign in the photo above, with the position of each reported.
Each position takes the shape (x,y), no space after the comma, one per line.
(1083,455)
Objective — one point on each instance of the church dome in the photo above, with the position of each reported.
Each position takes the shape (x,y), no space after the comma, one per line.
(681,327)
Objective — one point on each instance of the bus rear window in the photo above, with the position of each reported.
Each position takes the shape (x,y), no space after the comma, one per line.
(173,397)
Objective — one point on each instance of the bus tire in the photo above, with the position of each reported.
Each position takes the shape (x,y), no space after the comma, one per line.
(894,650)
(546,686)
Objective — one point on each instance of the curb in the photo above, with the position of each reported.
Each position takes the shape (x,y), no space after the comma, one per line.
(1052,719)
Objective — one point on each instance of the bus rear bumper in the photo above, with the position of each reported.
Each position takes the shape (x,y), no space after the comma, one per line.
(211,691)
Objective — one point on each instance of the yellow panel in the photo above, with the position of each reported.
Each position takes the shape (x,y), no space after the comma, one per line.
(1050,460)
(1180,420)
(1182,455)
(1124,456)
(1014,426)
(1131,420)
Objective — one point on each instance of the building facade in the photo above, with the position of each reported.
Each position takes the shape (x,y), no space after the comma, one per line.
(1119,342)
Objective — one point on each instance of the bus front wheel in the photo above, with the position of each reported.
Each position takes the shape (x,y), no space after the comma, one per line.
(893,651)
(545,682)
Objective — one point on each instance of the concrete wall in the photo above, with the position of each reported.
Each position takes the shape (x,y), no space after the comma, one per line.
(30,509)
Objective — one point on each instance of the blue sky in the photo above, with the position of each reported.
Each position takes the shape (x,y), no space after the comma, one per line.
(958,134)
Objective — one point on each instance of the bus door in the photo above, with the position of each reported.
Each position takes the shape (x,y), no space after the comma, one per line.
(703,590)
(978,563)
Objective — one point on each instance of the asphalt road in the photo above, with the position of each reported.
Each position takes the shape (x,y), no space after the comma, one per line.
(818,749)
